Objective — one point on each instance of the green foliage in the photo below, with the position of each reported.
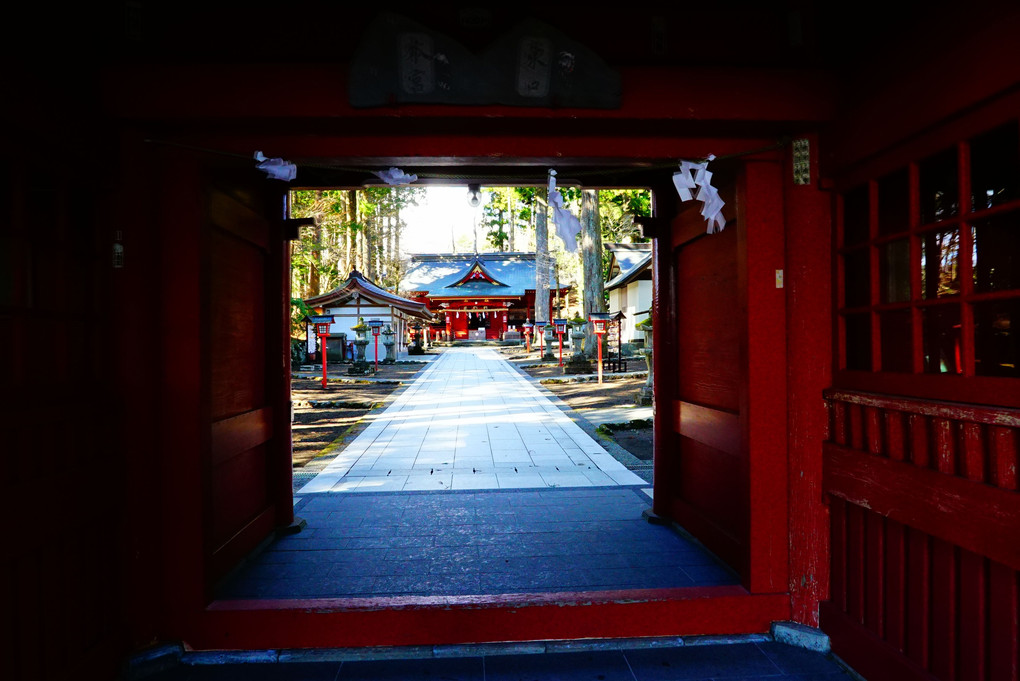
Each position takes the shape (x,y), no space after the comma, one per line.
(497,237)
(350,227)
(298,354)
(298,312)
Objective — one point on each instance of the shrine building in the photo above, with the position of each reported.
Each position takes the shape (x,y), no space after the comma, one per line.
(477,296)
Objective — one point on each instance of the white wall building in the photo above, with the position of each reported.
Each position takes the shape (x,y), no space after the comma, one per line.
(359,297)
(630,286)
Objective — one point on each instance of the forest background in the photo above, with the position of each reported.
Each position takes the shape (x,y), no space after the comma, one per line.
(364,229)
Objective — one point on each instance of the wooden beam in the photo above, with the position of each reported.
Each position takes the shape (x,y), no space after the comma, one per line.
(971,515)
(273,624)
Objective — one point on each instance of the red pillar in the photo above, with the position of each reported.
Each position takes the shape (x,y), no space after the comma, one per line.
(322,351)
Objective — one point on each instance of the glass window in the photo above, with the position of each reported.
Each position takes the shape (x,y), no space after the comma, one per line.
(941,328)
(855,216)
(995,167)
(897,348)
(940,255)
(996,347)
(857,278)
(858,342)
(895,263)
(997,253)
(894,203)
(926,287)
(939,186)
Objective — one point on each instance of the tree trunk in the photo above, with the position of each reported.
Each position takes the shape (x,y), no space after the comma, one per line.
(591,263)
(513,214)
(350,238)
(397,269)
(542,261)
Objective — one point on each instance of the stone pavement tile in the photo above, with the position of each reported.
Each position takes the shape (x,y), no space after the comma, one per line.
(711,574)
(383,542)
(424,585)
(449,669)
(503,583)
(311,557)
(308,671)
(594,666)
(701,662)
(793,660)
(425,483)
(470,480)
(396,481)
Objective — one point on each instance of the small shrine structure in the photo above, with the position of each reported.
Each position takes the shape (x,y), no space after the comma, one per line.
(357,298)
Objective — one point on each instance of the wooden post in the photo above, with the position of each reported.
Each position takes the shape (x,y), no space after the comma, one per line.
(322,350)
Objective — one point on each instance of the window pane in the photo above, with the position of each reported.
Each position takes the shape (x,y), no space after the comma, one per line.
(857,277)
(894,203)
(995,166)
(896,343)
(855,216)
(996,347)
(941,328)
(858,342)
(940,254)
(940,195)
(997,253)
(895,272)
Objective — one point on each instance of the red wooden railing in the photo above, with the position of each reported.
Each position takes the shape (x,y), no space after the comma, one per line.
(925,519)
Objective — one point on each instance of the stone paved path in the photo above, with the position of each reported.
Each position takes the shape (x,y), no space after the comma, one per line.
(470,421)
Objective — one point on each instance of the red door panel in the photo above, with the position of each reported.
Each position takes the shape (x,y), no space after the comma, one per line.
(712,493)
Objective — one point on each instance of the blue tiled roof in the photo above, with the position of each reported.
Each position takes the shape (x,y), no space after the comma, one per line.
(627,256)
(438,275)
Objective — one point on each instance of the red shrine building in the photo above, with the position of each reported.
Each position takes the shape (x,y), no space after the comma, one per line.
(478,296)
(837,392)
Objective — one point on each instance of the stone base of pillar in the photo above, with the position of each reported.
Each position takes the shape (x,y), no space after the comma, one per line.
(361,368)
(644,397)
(578,364)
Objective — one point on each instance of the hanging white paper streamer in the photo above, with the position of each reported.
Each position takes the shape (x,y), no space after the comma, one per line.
(276,168)
(701,181)
(395,176)
(567,225)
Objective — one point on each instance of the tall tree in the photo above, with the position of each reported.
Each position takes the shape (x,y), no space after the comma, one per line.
(351,231)
(542,262)
(593,296)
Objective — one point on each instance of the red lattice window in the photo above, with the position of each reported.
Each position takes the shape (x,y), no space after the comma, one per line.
(928,274)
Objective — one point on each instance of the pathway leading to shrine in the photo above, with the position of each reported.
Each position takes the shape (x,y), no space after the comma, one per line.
(471,422)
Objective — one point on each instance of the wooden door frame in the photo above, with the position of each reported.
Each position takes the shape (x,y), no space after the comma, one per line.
(336,622)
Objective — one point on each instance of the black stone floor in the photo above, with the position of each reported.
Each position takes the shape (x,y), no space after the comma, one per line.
(476,542)
(759,661)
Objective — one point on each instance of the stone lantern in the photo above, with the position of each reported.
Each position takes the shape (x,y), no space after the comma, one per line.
(360,367)
(578,362)
(389,344)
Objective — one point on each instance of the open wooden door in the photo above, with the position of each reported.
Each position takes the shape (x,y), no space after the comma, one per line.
(720,377)
(248,367)
(227,471)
